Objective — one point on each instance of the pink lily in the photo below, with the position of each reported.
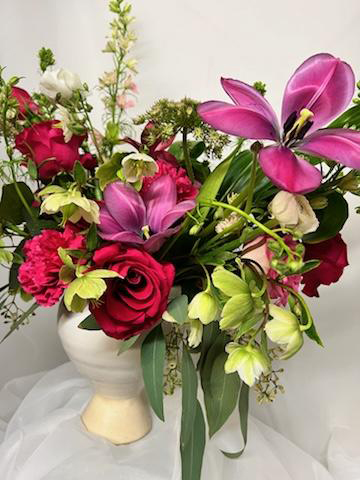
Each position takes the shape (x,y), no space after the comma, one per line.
(319,90)
(147,220)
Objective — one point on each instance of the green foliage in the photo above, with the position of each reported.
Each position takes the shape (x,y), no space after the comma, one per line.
(11,207)
(153,361)
(89,323)
(189,396)
(244,416)
(193,451)
(332,219)
(107,173)
(46,58)
(177,310)
(80,174)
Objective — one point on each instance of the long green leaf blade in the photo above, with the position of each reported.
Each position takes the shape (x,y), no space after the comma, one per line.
(244,417)
(152,361)
(192,452)
(221,394)
(189,396)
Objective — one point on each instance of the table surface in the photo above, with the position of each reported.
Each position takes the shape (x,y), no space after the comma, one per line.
(44,439)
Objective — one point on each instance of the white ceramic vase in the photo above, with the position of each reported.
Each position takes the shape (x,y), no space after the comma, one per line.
(119,410)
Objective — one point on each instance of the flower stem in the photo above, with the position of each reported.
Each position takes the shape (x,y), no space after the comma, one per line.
(187,159)
(252,182)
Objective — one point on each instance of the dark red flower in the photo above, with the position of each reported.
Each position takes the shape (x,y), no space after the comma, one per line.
(25,102)
(44,143)
(136,301)
(333,256)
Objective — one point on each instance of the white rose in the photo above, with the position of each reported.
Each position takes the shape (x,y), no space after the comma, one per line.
(294,211)
(60,81)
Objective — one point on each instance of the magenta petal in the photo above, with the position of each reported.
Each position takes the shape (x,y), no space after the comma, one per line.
(107,223)
(177,212)
(338,144)
(126,206)
(155,242)
(287,171)
(159,199)
(323,84)
(238,121)
(122,237)
(246,96)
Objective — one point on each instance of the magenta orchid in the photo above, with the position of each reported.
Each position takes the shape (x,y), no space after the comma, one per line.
(319,90)
(147,220)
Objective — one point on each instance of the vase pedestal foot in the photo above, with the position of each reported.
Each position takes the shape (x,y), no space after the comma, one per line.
(119,420)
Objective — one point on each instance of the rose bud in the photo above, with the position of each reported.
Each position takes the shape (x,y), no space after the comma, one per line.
(294,211)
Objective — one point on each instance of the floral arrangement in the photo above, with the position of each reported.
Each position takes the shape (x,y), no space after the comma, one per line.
(200,238)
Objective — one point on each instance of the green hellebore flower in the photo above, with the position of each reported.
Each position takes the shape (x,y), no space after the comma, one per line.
(285,330)
(5,255)
(241,304)
(203,307)
(87,286)
(196,333)
(247,360)
(135,166)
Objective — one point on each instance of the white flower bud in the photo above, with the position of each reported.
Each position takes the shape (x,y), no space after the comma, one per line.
(294,211)
(60,81)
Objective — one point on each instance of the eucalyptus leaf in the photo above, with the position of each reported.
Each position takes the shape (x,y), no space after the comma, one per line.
(192,452)
(244,416)
(152,361)
(89,323)
(189,396)
(32,169)
(125,345)
(221,394)
(178,309)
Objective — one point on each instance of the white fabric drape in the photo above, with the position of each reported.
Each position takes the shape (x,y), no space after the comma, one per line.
(46,440)
(184,47)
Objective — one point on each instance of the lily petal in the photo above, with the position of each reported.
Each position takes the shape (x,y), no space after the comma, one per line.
(159,200)
(124,237)
(238,121)
(155,242)
(126,206)
(338,144)
(177,212)
(246,96)
(323,84)
(287,171)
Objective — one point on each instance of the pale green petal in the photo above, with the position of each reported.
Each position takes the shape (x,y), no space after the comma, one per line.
(51,189)
(236,310)
(229,283)
(101,273)
(294,345)
(248,361)
(90,287)
(203,306)
(196,333)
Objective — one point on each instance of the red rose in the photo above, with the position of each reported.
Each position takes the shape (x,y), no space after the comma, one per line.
(25,101)
(45,145)
(333,256)
(136,301)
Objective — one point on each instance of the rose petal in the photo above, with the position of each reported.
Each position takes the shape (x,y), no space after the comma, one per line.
(287,171)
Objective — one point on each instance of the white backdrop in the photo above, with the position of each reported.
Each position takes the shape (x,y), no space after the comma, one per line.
(184,47)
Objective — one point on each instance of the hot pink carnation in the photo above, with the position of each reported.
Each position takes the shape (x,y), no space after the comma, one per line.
(184,188)
(39,274)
